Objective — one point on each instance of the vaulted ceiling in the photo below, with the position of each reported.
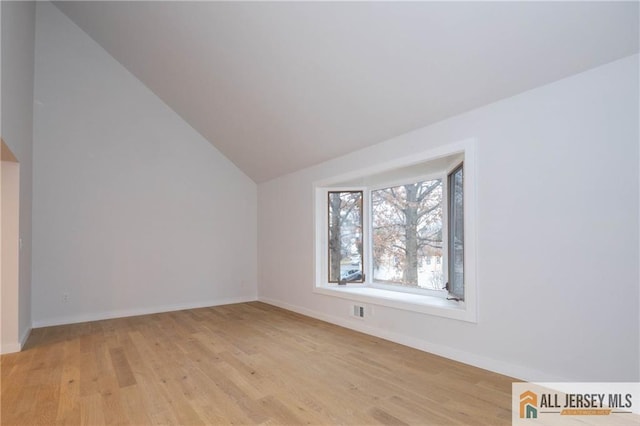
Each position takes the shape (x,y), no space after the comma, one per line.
(279,86)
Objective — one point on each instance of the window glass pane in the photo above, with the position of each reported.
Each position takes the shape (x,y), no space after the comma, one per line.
(407,231)
(345,236)
(456,234)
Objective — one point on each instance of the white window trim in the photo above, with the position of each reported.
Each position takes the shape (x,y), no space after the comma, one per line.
(411,301)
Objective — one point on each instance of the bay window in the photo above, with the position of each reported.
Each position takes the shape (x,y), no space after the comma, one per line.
(400,230)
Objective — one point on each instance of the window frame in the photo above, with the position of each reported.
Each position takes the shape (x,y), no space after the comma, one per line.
(450,235)
(362,226)
(400,298)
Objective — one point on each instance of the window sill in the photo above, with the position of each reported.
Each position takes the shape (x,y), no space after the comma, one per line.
(400,300)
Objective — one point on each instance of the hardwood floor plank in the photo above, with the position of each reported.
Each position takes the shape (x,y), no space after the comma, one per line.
(46,404)
(385,418)
(133,406)
(69,401)
(91,410)
(424,414)
(248,363)
(278,412)
(121,367)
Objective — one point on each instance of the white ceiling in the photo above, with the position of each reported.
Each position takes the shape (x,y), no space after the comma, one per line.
(277,87)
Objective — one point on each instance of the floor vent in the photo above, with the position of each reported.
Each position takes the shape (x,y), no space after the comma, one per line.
(358,311)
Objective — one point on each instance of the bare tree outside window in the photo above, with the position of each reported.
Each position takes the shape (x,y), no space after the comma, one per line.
(407,229)
(345,236)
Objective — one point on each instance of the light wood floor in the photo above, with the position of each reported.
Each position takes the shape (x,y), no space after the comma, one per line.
(248,363)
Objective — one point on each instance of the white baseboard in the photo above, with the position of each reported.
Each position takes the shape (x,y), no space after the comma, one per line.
(9,348)
(73,319)
(516,371)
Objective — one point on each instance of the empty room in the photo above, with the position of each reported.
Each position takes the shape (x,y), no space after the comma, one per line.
(320,213)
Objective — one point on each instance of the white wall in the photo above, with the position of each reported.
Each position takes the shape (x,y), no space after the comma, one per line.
(18,30)
(133,210)
(557,226)
(9,291)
